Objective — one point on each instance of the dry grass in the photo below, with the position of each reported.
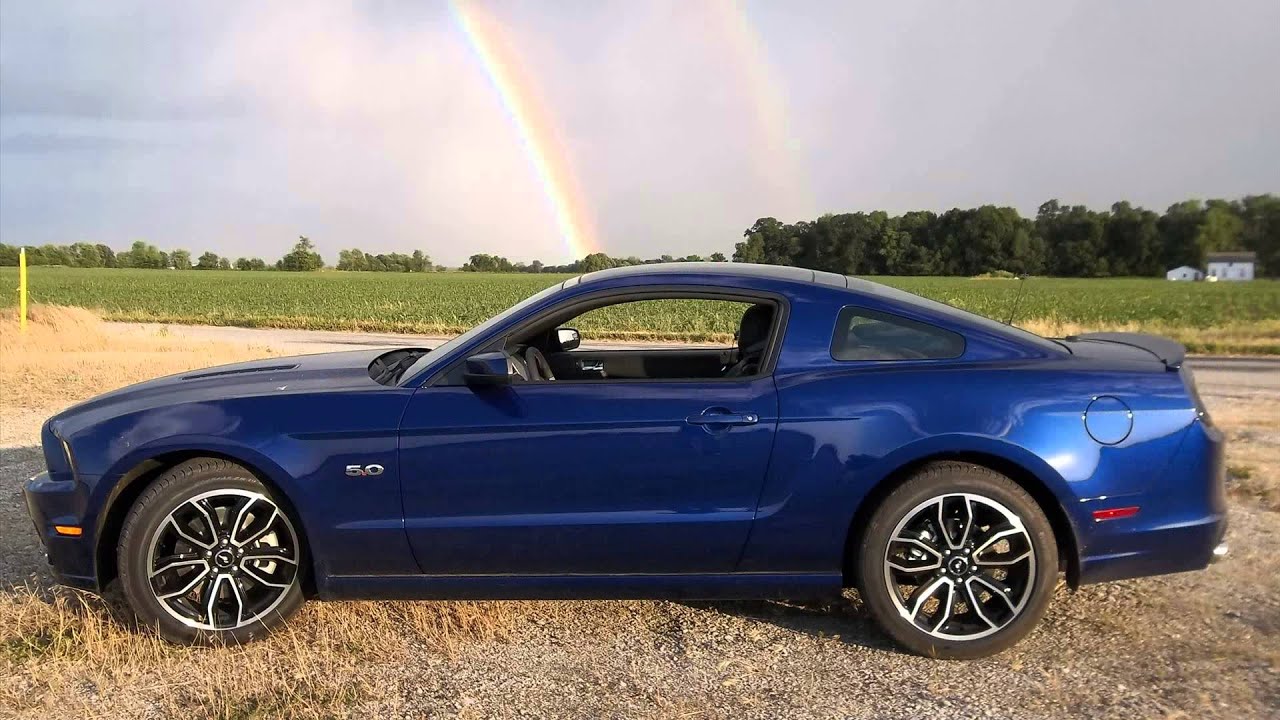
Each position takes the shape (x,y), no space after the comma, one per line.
(1252,426)
(68,354)
(73,652)
(1250,338)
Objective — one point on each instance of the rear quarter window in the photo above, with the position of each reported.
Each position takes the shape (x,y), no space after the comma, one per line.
(863,334)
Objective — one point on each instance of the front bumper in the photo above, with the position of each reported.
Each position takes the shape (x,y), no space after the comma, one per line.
(53,502)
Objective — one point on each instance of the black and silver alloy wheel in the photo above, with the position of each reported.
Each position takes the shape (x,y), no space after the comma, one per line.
(208,554)
(222,559)
(960,566)
(957,562)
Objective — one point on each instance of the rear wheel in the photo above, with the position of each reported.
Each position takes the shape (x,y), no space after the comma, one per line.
(207,554)
(958,562)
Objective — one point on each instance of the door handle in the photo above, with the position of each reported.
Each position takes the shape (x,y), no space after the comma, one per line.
(717,416)
(591,366)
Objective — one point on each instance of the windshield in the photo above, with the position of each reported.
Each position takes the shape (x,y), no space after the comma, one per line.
(433,357)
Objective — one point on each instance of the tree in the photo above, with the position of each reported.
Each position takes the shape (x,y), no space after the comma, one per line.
(1220,229)
(142,255)
(207,261)
(1132,240)
(181,259)
(482,262)
(224,263)
(303,257)
(1179,234)
(250,264)
(718,257)
(85,255)
(1261,232)
(595,262)
(1073,239)
(107,254)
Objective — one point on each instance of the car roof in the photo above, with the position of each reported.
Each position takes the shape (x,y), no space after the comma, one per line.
(776,272)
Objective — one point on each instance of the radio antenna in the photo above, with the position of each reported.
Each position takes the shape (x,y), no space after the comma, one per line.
(1022,280)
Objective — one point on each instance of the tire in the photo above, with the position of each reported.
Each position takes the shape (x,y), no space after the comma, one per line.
(208,555)
(994,579)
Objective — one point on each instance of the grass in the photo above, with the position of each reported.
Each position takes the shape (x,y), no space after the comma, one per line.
(78,654)
(1207,317)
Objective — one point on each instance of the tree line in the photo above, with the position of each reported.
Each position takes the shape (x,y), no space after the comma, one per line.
(1064,241)
(1061,240)
(144,255)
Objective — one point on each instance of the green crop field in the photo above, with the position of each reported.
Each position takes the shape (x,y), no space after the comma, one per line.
(1223,317)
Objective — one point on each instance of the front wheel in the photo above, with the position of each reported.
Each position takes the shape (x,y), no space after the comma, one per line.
(958,562)
(207,554)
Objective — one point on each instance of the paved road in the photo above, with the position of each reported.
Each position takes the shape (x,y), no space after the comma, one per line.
(1223,373)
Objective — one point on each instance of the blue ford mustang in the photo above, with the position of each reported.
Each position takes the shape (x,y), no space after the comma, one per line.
(948,466)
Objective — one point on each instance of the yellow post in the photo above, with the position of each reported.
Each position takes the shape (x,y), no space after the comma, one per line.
(22,290)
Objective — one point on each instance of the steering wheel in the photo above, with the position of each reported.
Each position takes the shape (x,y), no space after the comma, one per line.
(539,368)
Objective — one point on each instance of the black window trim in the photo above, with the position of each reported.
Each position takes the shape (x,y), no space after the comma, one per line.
(892,316)
(590,301)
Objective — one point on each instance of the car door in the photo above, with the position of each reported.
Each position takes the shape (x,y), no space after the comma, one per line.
(591,477)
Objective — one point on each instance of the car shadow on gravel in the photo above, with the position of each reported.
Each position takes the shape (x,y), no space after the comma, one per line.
(841,619)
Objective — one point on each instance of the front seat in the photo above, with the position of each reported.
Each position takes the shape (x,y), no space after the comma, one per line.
(753,336)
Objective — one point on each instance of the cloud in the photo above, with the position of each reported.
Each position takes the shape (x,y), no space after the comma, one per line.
(238,126)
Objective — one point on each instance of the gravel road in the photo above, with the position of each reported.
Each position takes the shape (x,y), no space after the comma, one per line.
(1203,644)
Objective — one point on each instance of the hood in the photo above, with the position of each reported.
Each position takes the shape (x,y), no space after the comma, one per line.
(322,372)
(1159,352)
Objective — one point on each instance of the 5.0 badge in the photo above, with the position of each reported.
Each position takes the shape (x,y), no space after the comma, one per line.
(364,470)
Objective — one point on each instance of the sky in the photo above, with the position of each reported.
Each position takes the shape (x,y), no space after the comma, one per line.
(546,130)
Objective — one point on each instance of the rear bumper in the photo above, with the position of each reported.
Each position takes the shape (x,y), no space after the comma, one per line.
(61,502)
(1182,522)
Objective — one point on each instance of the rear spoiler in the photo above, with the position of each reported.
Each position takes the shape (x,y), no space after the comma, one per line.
(1167,351)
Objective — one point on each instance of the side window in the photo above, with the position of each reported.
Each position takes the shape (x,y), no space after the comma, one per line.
(863,334)
(671,323)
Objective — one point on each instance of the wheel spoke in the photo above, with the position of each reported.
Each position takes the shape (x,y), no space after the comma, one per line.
(971,599)
(211,601)
(266,526)
(1002,563)
(268,553)
(944,609)
(188,587)
(916,545)
(256,574)
(942,523)
(968,521)
(173,562)
(188,537)
(922,594)
(997,588)
(210,517)
(997,537)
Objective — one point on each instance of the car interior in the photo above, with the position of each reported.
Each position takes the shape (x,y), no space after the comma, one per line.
(552,352)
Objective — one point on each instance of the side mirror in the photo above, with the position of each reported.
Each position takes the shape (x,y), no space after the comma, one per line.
(569,338)
(491,368)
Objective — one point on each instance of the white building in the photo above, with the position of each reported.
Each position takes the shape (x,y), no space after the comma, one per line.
(1186,272)
(1231,265)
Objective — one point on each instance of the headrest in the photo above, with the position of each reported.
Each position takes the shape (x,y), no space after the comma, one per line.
(753,331)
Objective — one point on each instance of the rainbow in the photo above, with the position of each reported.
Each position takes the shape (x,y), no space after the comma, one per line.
(534,126)
(779,154)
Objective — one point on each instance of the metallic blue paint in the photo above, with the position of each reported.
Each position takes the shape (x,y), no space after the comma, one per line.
(621,489)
